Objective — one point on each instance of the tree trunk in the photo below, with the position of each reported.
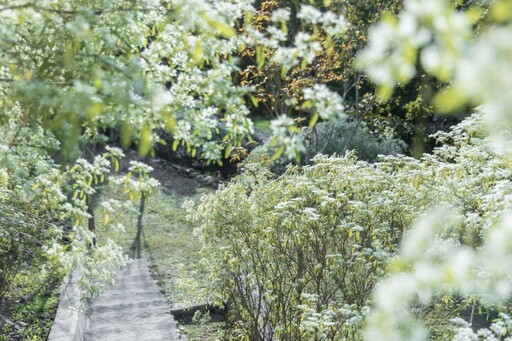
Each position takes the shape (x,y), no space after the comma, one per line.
(137,241)
(91,222)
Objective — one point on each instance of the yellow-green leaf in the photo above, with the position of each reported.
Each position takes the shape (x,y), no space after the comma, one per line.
(224,30)
(175,145)
(260,57)
(313,120)
(384,92)
(95,109)
(449,100)
(197,52)
(14,71)
(106,218)
(68,56)
(254,101)
(307,104)
(126,134)
(501,11)
(98,82)
(145,140)
(278,153)
(171,123)
(228,150)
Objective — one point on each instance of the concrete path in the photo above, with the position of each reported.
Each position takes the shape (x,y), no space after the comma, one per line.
(132,309)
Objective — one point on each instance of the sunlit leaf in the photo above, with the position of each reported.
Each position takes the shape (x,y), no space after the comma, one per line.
(145,140)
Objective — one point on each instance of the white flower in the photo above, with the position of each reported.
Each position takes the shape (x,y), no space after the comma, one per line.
(328,104)
(309,14)
(334,25)
(280,14)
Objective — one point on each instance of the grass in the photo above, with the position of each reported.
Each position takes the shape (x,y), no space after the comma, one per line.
(173,250)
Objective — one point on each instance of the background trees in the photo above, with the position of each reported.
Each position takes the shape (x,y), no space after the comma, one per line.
(75,73)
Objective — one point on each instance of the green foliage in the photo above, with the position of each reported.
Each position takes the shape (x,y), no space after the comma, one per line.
(296,257)
(31,317)
(342,136)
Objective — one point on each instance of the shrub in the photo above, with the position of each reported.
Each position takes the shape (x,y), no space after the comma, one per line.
(297,256)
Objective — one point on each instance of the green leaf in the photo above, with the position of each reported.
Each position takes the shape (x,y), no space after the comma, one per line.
(95,109)
(175,145)
(274,141)
(126,134)
(260,57)
(449,100)
(171,123)
(69,56)
(313,120)
(228,150)
(224,30)
(197,52)
(307,104)
(254,101)
(277,153)
(145,140)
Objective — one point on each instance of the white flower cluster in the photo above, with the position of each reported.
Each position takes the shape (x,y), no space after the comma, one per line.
(500,328)
(284,134)
(328,104)
(428,25)
(435,257)
(139,168)
(333,24)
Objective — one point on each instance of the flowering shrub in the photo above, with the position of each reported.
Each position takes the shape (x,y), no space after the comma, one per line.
(464,251)
(297,256)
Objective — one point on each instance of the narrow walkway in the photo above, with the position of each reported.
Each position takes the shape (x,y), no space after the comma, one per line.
(132,309)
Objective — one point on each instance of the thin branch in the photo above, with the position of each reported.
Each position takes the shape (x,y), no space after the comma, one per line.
(14,7)
(71,12)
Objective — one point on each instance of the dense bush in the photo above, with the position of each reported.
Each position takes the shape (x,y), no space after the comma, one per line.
(297,256)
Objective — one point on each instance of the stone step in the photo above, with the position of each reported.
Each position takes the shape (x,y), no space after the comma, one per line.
(134,336)
(144,320)
(148,284)
(157,318)
(134,308)
(133,294)
(139,335)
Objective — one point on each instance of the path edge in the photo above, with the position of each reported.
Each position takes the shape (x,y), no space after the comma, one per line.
(69,322)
